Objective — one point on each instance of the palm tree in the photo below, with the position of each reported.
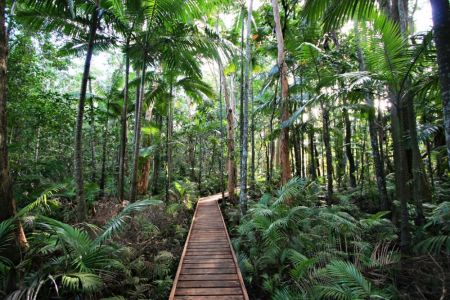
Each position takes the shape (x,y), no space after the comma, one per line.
(129,18)
(283,70)
(174,43)
(395,65)
(244,137)
(71,18)
(137,127)
(231,163)
(78,163)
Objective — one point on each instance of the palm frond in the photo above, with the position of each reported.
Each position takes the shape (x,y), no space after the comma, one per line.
(117,223)
(335,14)
(81,282)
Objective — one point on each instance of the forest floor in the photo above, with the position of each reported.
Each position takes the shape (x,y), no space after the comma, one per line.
(154,241)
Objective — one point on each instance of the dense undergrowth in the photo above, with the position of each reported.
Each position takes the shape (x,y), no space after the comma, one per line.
(307,250)
(124,251)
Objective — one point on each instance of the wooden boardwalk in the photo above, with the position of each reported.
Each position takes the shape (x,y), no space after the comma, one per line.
(208,268)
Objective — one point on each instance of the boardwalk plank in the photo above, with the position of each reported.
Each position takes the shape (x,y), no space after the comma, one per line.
(208,267)
(206,284)
(209,277)
(208,291)
(227,297)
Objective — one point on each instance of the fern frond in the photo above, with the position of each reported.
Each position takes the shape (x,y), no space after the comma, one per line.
(81,282)
(117,223)
(434,244)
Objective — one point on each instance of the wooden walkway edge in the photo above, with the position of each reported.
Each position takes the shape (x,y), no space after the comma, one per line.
(208,267)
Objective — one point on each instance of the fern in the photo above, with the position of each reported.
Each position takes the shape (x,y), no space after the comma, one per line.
(81,282)
(434,245)
(342,280)
(117,223)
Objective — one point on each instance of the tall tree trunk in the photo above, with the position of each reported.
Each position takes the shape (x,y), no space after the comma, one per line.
(348,146)
(328,153)
(145,166)
(78,159)
(421,188)
(303,154)
(402,191)
(137,132)
(200,168)
(282,66)
(38,142)
(382,140)
(123,127)
(441,22)
(222,138)
(430,163)
(297,153)
(104,153)
(253,150)
(169,139)
(92,132)
(271,139)
(169,130)
(338,149)
(244,152)
(231,164)
(241,79)
(312,156)
(7,202)
(157,159)
(317,162)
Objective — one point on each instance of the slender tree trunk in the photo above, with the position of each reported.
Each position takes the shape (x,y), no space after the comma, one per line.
(222,138)
(78,160)
(231,164)
(382,139)
(244,152)
(312,156)
(284,136)
(92,132)
(441,22)
(104,154)
(348,147)
(430,163)
(379,167)
(191,156)
(317,162)
(38,142)
(144,174)
(200,168)
(123,127)
(272,141)
(297,154)
(253,162)
(328,153)
(338,149)
(241,98)
(157,159)
(169,137)
(137,133)
(303,155)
